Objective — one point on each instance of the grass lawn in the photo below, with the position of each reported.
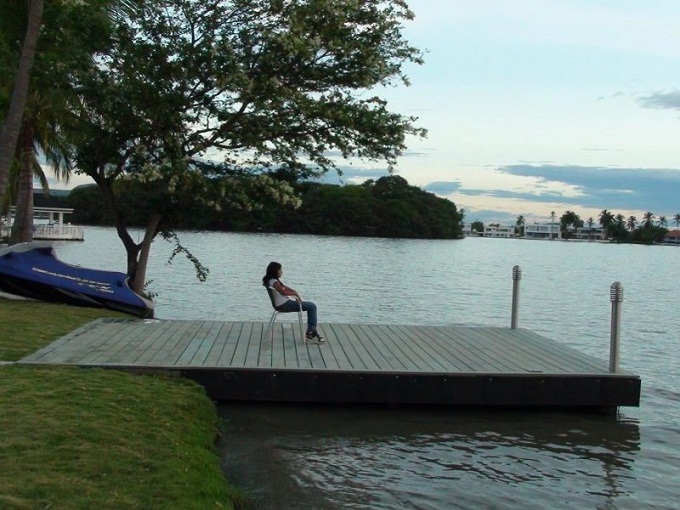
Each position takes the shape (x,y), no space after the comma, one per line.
(75,438)
(27,326)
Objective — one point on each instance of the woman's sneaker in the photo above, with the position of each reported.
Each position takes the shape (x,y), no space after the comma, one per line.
(313,336)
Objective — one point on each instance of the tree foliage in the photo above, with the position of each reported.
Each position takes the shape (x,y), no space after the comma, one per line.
(569,222)
(257,83)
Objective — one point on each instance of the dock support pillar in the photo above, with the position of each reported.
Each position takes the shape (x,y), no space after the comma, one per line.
(516,277)
(616,296)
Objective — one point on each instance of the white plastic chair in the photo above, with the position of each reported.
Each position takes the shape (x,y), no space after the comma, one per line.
(270,328)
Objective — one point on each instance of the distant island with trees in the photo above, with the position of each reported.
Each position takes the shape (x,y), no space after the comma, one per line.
(616,228)
(386,207)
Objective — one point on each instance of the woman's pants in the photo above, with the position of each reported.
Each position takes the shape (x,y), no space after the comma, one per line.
(293,305)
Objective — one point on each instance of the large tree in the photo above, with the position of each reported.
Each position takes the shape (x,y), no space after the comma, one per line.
(257,83)
(570,221)
(72,31)
(11,124)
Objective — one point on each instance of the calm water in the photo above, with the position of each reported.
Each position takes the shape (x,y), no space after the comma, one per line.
(321,458)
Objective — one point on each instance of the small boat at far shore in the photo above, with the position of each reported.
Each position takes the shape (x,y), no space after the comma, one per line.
(33,270)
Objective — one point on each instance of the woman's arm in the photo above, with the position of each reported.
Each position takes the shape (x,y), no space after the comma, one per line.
(286,291)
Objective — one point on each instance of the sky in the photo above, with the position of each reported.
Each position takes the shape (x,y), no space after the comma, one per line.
(534,106)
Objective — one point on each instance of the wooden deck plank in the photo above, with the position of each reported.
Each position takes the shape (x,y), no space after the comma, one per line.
(441,356)
(362,357)
(359,363)
(45,352)
(336,357)
(265,360)
(486,352)
(278,347)
(159,349)
(254,346)
(192,344)
(393,348)
(330,360)
(72,351)
(241,352)
(116,339)
(383,358)
(184,342)
(410,345)
(572,358)
(221,340)
(150,337)
(452,349)
(289,349)
(211,338)
(316,355)
(524,356)
(231,346)
(476,341)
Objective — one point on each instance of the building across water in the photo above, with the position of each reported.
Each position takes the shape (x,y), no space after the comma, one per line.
(48,225)
(498,230)
(550,230)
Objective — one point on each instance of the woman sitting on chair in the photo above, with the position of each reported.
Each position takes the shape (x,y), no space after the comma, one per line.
(287,300)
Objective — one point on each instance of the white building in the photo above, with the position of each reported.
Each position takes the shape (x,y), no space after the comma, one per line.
(590,233)
(498,230)
(50,225)
(543,230)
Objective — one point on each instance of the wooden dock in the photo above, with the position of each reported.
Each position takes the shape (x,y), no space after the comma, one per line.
(360,363)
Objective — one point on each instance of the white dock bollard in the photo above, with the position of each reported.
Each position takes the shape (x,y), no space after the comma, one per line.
(516,277)
(616,296)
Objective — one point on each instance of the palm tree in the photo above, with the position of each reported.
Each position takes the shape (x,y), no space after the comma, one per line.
(648,219)
(552,220)
(631,223)
(11,127)
(47,107)
(590,222)
(617,229)
(40,133)
(663,222)
(606,221)
(676,220)
(520,225)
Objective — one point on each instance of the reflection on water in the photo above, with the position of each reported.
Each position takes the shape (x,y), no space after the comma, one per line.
(356,457)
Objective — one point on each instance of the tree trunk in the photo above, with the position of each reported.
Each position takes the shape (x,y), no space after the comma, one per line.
(9,134)
(22,230)
(137,254)
(137,283)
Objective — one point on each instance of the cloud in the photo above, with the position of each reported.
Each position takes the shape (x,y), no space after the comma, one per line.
(490,215)
(351,174)
(661,100)
(604,187)
(442,188)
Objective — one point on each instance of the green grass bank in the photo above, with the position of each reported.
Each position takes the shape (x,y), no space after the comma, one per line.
(73,438)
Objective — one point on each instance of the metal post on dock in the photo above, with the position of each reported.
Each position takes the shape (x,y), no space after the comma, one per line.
(616,296)
(516,277)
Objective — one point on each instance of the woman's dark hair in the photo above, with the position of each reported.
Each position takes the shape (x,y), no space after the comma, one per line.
(272,272)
